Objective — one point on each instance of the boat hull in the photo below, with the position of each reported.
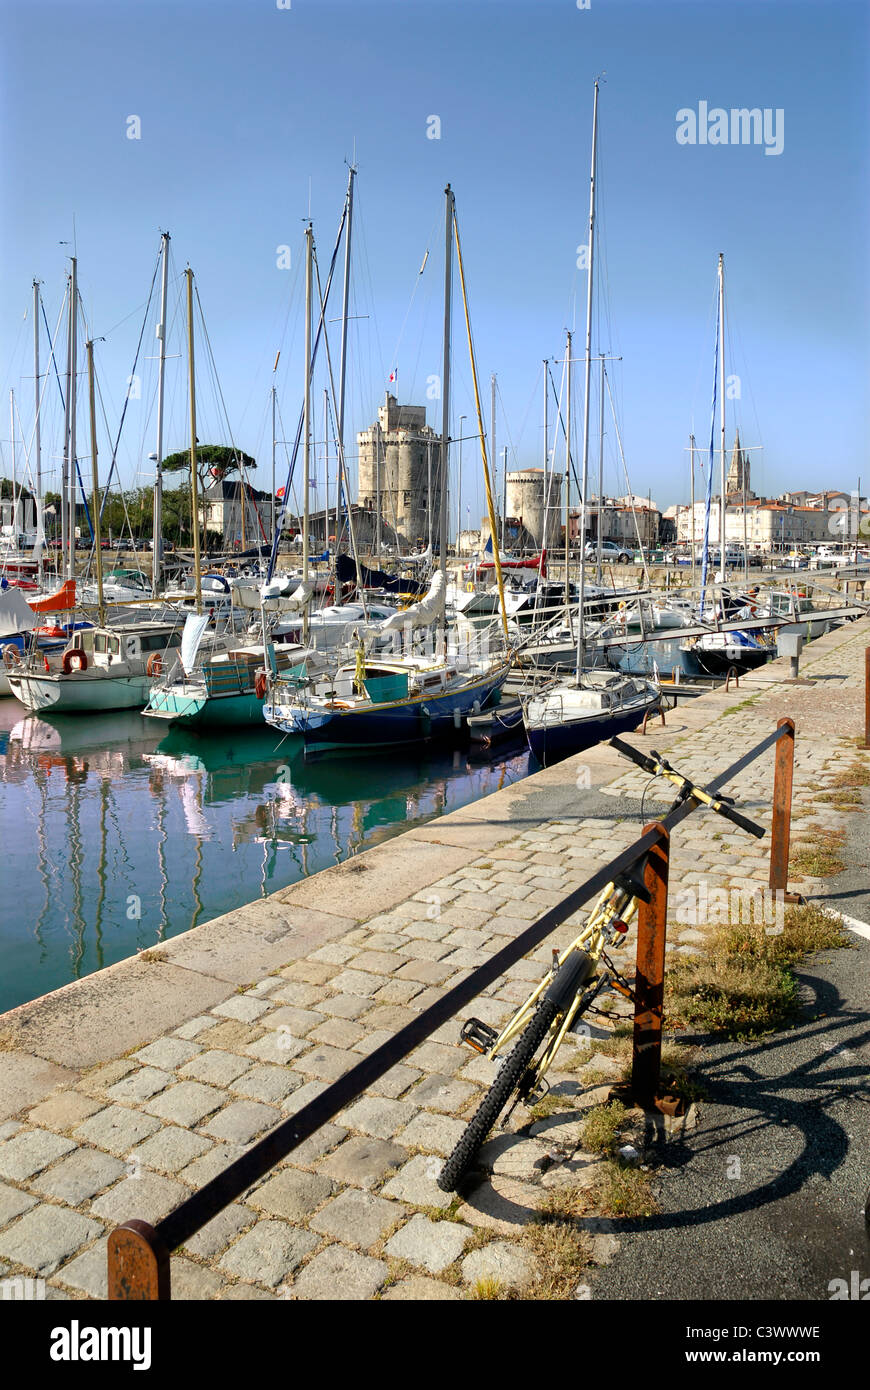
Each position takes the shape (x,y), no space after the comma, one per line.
(199,710)
(551,743)
(718,662)
(429,718)
(80,692)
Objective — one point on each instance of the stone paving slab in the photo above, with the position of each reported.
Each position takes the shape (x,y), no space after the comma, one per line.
(126,1091)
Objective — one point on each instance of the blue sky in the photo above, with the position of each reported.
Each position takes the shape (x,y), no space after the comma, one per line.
(249,111)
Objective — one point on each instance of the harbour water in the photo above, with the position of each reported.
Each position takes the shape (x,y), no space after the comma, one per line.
(118,835)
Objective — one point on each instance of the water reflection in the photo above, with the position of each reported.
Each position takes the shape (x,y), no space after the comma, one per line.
(117,838)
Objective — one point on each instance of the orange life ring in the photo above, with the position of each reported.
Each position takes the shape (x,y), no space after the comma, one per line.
(154,664)
(11,657)
(260,685)
(75,660)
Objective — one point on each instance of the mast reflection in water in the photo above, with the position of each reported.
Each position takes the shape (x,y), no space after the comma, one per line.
(115,839)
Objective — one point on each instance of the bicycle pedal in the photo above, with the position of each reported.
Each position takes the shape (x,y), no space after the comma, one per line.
(479,1035)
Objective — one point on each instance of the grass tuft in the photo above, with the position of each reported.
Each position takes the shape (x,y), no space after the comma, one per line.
(602,1126)
(746,985)
(486,1289)
(818,857)
(624,1191)
(563,1254)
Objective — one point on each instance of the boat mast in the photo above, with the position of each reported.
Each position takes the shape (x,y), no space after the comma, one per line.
(588,371)
(194,492)
(490,504)
(504,500)
(493,454)
(73,390)
(101,606)
(326,467)
(37,433)
(378,535)
(568,477)
(722,412)
(16,496)
(67,501)
(445,375)
(547,497)
(274,441)
(157,561)
(692,493)
(600,475)
(306,450)
(342,371)
(64,479)
(36,428)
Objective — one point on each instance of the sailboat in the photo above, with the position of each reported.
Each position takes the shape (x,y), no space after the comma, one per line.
(375,701)
(593,704)
(103,667)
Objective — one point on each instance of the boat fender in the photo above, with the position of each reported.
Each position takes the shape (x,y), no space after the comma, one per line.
(75,660)
(47,667)
(11,657)
(475,708)
(260,685)
(154,664)
(457,717)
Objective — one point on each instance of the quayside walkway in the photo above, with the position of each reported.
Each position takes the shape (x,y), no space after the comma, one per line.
(122,1093)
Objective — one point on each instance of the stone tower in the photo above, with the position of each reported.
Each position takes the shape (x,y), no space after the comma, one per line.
(398,457)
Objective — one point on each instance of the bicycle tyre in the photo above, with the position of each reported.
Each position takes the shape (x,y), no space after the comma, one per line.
(508,1077)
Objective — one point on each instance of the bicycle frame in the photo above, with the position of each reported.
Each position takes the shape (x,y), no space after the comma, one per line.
(613,903)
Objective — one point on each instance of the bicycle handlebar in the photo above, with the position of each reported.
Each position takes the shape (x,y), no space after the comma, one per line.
(654,763)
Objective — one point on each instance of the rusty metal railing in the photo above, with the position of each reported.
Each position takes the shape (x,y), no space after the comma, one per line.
(138,1253)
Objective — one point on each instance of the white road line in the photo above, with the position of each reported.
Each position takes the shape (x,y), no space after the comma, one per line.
(853,923)
(860,928)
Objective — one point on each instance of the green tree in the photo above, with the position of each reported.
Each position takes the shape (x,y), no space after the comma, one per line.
(215,459)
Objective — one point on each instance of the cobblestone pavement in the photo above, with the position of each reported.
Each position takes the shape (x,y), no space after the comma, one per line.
(355,1212)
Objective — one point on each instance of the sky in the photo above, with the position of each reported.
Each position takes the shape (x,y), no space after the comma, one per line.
(245,115)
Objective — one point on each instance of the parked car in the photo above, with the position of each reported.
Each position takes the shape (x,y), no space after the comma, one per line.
(609,552)
(795,560)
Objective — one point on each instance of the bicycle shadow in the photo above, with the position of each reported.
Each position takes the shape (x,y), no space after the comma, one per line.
(799,1100)
(743,1101)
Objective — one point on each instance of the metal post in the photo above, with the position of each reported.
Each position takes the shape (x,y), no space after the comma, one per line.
(867,697)
(649,987)
(781,826)
(138,1264)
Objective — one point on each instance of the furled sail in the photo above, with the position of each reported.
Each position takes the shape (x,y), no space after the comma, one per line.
(421,614)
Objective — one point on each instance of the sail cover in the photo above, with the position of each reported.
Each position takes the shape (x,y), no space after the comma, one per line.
(421,614)
(16,614)
(346,571)
(194,626)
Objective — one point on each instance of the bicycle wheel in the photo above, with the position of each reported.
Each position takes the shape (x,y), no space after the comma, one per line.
(508,1077)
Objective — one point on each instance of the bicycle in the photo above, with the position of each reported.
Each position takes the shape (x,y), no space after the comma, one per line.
(577,976)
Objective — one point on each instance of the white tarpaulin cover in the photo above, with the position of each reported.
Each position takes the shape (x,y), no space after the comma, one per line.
(421,614)
(247,596)
(195,625)
(16,614)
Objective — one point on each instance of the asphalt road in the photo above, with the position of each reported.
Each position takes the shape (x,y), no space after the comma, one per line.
(765,1198)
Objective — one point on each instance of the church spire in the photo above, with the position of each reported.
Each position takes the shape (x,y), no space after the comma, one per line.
(738,470)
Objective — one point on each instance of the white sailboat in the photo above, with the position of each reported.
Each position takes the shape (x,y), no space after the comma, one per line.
(593,704)
(103,667)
